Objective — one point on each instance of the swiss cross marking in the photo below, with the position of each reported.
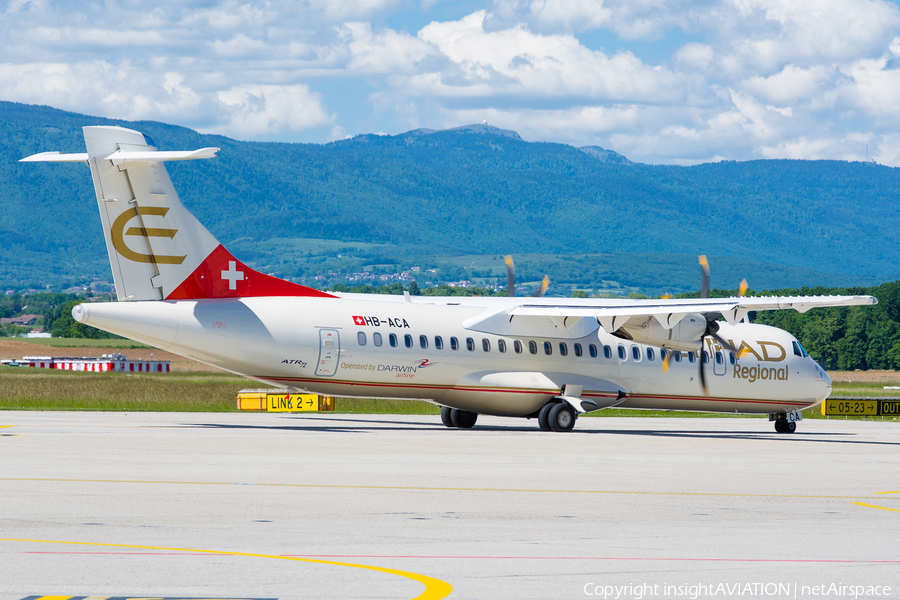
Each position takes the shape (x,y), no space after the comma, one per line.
(232,275)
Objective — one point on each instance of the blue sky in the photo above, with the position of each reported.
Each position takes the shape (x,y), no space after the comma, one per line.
(660,81)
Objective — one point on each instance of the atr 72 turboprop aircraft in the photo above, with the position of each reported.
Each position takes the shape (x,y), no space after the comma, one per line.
(180,290)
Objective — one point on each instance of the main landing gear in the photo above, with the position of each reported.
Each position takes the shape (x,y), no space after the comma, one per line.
(462,419)
(557,416)
(782,425)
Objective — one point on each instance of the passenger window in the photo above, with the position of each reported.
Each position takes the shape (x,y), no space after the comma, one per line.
(593,350)
(663,353)
(548,348)
(636,353)
(423,342)
(486,344)
(517,345)
(470,344)
(677,356)
(719,358)
(438,343)
(501,345)
(577,348)
(454,343)
(407,339)
(691,357)
(705,357)
(361,338)
(649,353)
(563,349)
(392,339)
(731,357)
(532,347)
(376,338)
(607,352)
(622,354)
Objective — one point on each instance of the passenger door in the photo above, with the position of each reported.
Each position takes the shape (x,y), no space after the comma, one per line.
(329,352)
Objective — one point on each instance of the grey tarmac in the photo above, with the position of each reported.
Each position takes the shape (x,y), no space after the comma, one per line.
(343,506)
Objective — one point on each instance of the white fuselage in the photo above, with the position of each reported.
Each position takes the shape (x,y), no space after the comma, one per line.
(343,347)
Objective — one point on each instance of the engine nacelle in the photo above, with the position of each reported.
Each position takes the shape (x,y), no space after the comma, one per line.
(684,336)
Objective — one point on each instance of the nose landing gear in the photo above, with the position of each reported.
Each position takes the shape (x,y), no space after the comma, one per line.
(782,425)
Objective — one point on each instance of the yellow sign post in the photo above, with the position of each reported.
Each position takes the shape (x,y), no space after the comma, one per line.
(862,407)
(264,400)
(859,408)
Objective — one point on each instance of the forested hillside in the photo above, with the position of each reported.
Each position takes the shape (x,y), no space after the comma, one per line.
(466,191)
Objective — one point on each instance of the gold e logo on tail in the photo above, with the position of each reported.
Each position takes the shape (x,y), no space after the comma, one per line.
(118,232)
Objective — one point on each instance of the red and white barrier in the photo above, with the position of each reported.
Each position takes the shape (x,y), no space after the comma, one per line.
(115,363)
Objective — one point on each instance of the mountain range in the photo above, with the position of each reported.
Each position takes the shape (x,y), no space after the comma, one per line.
(430,197)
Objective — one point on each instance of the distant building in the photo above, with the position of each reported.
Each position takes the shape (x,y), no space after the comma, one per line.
(22,320)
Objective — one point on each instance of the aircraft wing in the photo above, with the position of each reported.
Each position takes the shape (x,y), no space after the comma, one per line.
(578,317)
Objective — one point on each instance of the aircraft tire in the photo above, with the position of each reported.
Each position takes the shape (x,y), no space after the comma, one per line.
(463,418)
(446,416)
(544,417)
(562,417)
(789,427)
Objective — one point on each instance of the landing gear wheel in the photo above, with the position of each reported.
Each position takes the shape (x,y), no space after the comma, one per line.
(446,416)
(463,418)
(562,417)
(782,425)
(544,417)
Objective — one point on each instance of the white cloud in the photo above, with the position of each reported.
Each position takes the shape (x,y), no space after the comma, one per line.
(518,62)
(695,55)
(384,52)
(255,111)
(708,78)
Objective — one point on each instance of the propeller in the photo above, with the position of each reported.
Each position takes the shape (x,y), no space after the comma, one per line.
(511,280)
(510,277)
(712,324)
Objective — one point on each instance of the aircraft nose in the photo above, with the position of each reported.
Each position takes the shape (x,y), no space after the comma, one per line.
(823,379)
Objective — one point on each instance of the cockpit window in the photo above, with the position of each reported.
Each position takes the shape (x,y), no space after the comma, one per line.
(799,350)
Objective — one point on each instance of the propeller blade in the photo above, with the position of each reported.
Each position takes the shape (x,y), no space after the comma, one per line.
(743,288)
(665,365)
(724,343)
(510,277)
(702,370)
(544,285)
(704,284)
(712,329)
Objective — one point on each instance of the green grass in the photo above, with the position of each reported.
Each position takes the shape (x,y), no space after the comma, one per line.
(44,389)
(872,390)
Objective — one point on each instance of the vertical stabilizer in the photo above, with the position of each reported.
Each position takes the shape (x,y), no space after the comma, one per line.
(157,249)
(154,243)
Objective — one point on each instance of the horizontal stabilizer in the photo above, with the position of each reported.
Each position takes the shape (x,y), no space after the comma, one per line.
(56,157)
(126,156)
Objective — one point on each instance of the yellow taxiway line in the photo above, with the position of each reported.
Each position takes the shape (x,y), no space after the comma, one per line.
(435,589)
(446,489)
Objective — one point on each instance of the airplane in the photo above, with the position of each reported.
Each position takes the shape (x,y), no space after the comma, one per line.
(552,359)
